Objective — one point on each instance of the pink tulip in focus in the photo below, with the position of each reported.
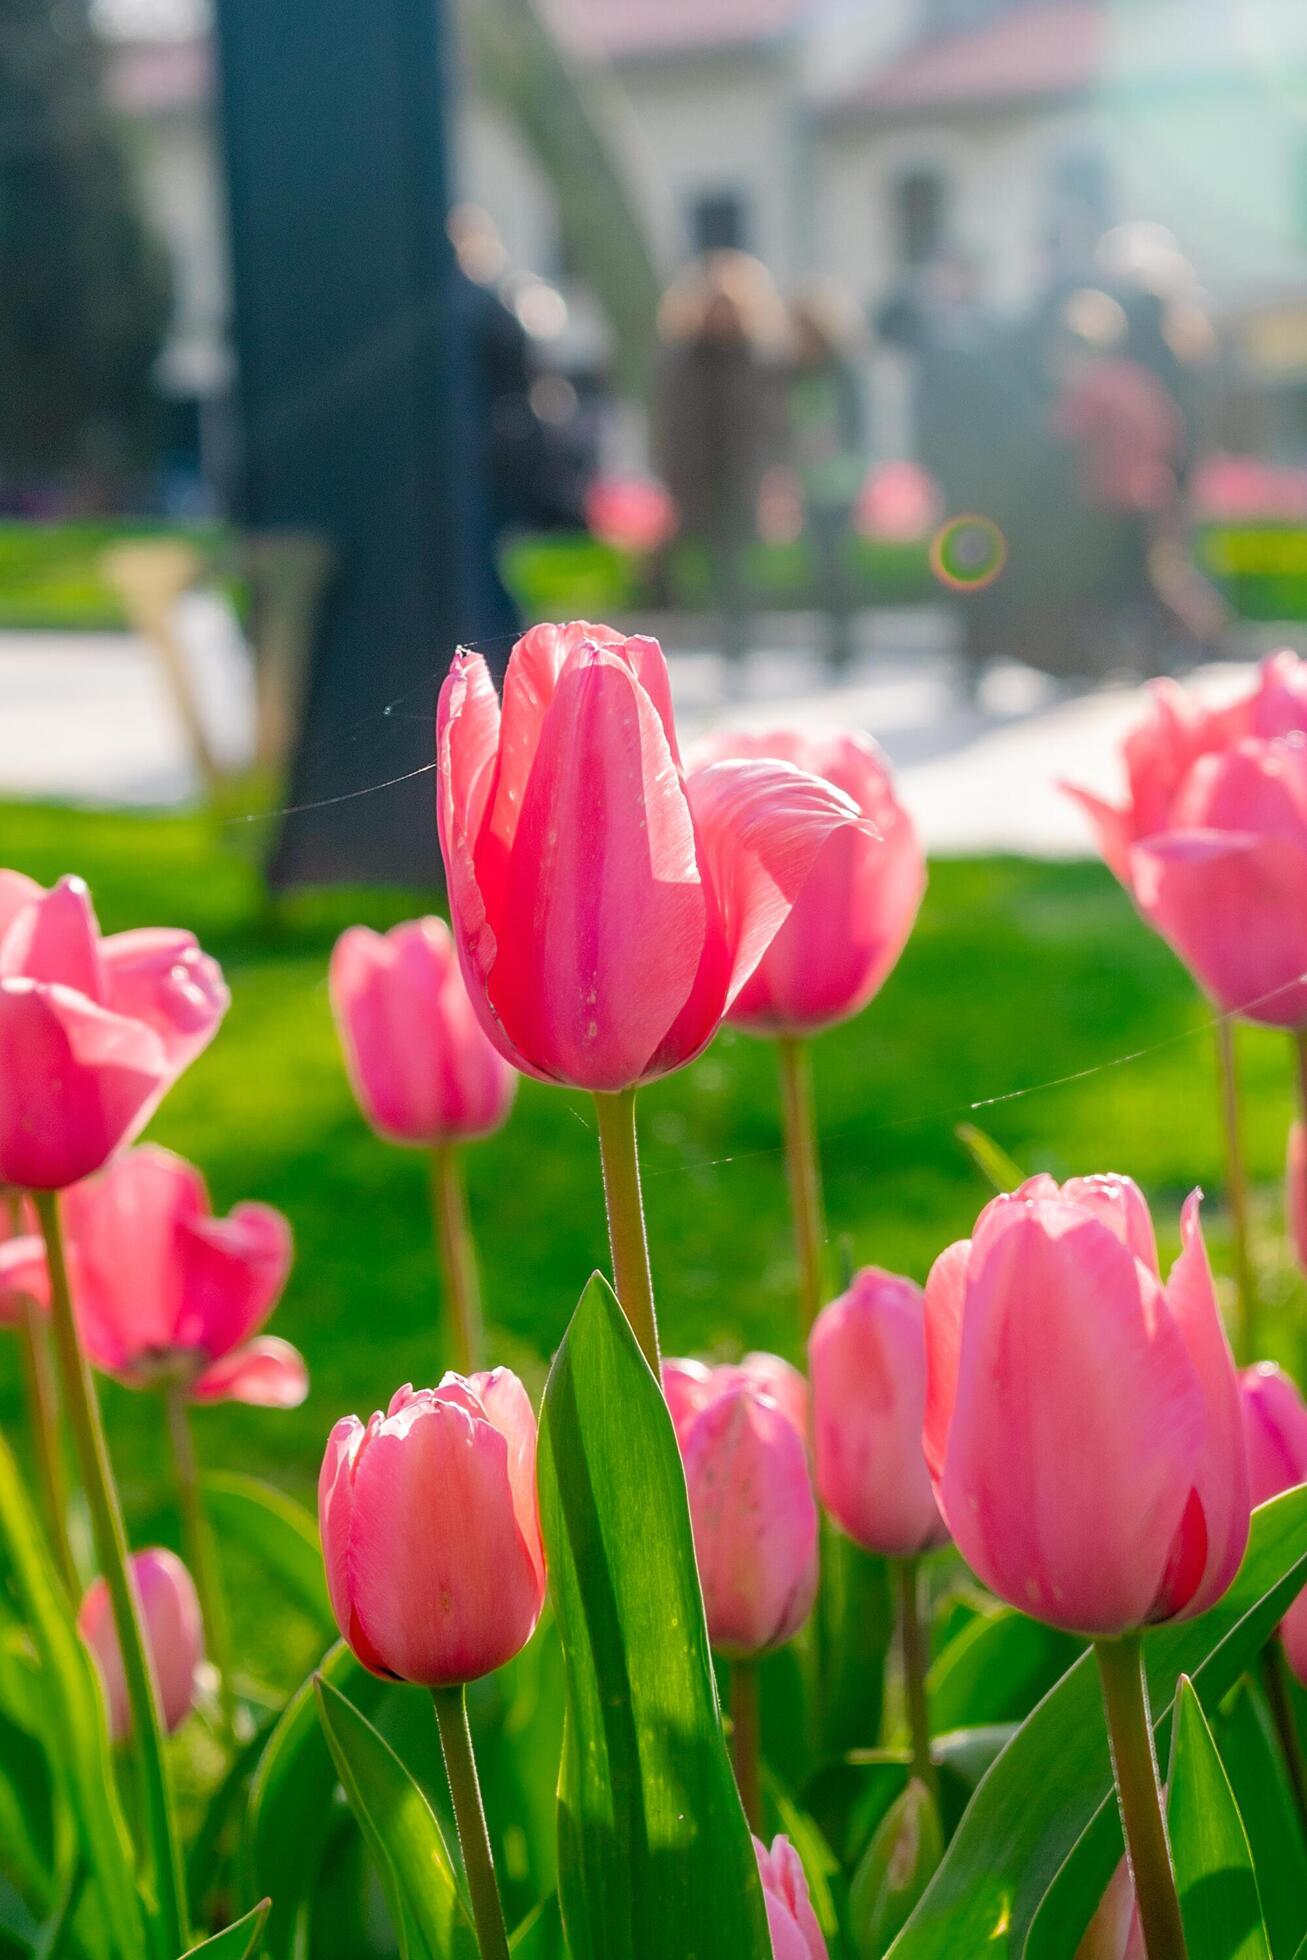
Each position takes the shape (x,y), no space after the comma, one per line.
(752,1509)
(162,1289)
(93,1031)
(430,1530)
(795,1934)
(419,1064)
(850,923)
(867,1352)
(1211,840)
(1115,1932)
(690,1386)
(1295,1193)
(1275,1425)
(174,1640)
(1082,1425)
(608,910)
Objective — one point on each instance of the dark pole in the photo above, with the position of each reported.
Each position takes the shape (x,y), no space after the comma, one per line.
(334,122)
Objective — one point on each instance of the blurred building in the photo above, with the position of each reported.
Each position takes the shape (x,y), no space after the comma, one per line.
(861,139)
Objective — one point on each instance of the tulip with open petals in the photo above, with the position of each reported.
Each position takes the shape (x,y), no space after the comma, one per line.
(607,909)
(795,1934)
(421,1067)
(752,1509)
(1082,1425)
(174,1642)
(1211,841)
(1275,1426)
(93,1031)
(164,1291)
(430,1530)
(855,912)
(867,1352)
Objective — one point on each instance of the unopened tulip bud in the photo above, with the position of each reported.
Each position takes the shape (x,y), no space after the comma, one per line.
(1275,1426)
(894,1871)
(1115,1931)
(867,1352)
(174,1640)
(1082,1427)
(795,1933)
(754,1518)
(430,1530)
(419,1063)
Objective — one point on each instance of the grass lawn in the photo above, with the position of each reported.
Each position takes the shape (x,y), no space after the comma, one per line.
(1018,973)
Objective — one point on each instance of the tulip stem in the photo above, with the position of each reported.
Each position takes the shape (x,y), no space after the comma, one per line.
(803,1166)
(1134,1760)
(201,1556)
(626,1234)
(470,1821)
(915,1650)
(43,1416)
(746,1738)
(1236,1182)
(83,1412)
(458,1259)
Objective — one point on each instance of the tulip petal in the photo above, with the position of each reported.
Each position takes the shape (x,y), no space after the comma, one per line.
(467,736)
(56,939)
(1234,907)
(232,1271)
(1122,1207)
(1070,1462)
(75,1084)
(122,1230)
(603,886)
(530,682)
(1221,1480)
(946,1292)
(16,893)
(1112,828)
(160,976)
(1275,1431)
(267,1373)
(508,1406)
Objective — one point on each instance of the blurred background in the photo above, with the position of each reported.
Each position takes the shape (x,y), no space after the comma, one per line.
(941,360)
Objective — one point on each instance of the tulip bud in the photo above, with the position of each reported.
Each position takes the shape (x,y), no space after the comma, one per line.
(1082,1423)
(690,1386)
(1115,1931)
(895,1869)
(173,1631)
(755,1522)
(795,1934)
(867,1352)
(1275,1428)
(430,1530)
(421,1067)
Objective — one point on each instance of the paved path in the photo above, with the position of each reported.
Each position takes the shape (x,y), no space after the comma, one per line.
(87,717)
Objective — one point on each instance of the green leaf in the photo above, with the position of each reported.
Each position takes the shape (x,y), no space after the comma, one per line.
(854,1629)
(1219,1903)
(290,1816)
(27,1823)
(237,1941)
(903,1855)
(989,1158)
(276,1531)
(655,1860)
(401,1830)
(540,1937)
(1264,1793)
(74,1714)
(996,1669)
(1045,1812)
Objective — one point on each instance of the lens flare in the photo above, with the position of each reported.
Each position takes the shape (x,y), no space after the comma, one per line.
(968,553)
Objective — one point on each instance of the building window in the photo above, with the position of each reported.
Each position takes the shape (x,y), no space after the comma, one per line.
(920,215)
(718,221)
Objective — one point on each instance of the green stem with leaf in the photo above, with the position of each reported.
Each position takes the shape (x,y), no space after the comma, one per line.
(803,1167)
(746,1737)
(458,1260)
(470,1820)
(632,1278)
(914,1647)
(201,1556)
(47,1449)
(1139,1794)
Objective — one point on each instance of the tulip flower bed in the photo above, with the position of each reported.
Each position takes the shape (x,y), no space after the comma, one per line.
(839,1588)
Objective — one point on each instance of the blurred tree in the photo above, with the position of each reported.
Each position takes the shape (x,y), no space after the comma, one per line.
(83,287)
(560,114)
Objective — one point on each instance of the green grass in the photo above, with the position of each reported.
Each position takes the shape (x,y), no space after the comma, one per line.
(1019,973)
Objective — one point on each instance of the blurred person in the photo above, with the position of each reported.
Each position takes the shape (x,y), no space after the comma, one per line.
(825,427)
(716,417)
(955,399)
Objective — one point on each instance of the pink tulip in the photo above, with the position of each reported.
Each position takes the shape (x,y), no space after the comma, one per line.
(93,1031)
(1295,1193)
(430,1530)
(690,1386)
(163,1289)
(174,1638)
(754,1519)
(853,917)
(1115,1931)
(418,1062)
(1275,1426)
(607,910)
(795,1934)
(1212,839)
(867,1352)
(1082,1421)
